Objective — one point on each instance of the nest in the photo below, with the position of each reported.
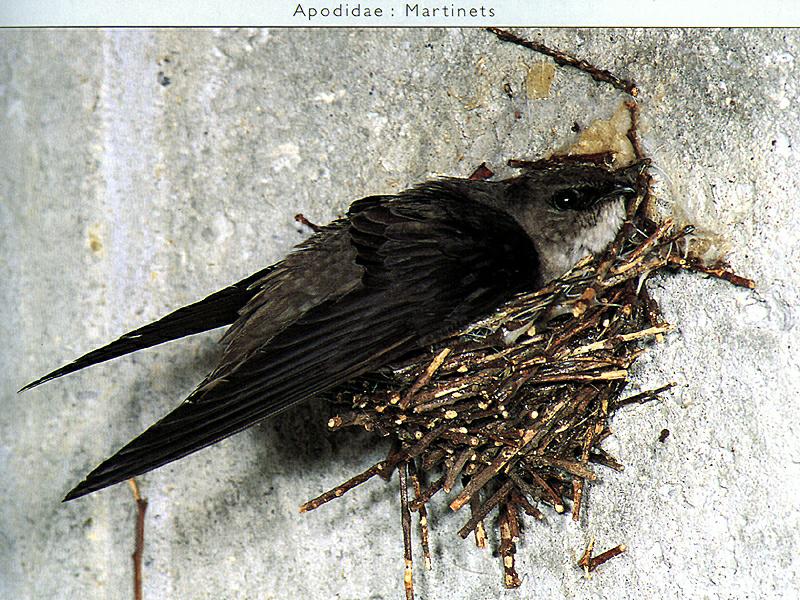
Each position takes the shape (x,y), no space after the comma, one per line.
(509,414)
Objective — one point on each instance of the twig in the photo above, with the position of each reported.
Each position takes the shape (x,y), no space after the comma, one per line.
(643,397)
(405,514)
(601,457)
(570,466)
(604,376)
(423,515)
(138,551)
(590,563)
(564,59)
(424,379)
(577,498)
(480,530)
(481,479)
(526,490)
(610,343)
(716,270)
(644,181)
(555,498)
(455,470)
(422,499)
(642,249)
(509,532)
(633,131)
(300,218)
(529,509)
(485,508)
(340,490)
(583,561)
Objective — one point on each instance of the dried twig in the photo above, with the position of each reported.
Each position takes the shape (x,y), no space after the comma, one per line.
(300,218)
(590,563)
(577,498)
(718,270)
(138,548)
(633,130)
(564,59)
(509,533)
(423,515)
(424,379)
(479,529)
(484,509)
(343,488)
(405,513)
(642,397)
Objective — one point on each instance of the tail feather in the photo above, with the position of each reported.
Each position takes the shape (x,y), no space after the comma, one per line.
(218,309)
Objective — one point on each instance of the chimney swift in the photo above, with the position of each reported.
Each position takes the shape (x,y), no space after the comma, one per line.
(394,275)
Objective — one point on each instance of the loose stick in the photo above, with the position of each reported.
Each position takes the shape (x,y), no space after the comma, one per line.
(138,551)
(564,59)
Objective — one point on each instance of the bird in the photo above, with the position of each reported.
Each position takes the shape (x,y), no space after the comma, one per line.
(394,275)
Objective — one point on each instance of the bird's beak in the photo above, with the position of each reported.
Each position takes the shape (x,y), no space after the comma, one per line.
(624,191)
(631,175)
(632,171)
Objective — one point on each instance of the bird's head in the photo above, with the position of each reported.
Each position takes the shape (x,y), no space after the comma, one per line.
(569,209)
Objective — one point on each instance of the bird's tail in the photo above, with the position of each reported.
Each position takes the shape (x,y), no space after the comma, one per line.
(218,309)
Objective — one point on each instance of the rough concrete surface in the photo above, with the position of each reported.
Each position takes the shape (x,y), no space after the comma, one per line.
(144,169)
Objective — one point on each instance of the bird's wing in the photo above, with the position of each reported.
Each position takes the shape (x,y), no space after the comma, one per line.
(262,304)
(218,309)
(432,260)
(320,269)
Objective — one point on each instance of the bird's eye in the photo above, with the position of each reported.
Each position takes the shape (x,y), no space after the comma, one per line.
(570,199)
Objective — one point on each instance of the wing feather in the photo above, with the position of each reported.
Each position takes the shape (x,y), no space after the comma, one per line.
(216,310)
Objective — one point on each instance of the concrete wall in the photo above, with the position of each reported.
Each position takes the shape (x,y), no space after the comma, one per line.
(143,169)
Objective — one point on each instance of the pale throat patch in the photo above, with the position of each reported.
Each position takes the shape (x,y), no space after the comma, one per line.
(590,240)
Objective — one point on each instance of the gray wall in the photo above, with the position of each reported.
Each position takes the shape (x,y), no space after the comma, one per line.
(122,198)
